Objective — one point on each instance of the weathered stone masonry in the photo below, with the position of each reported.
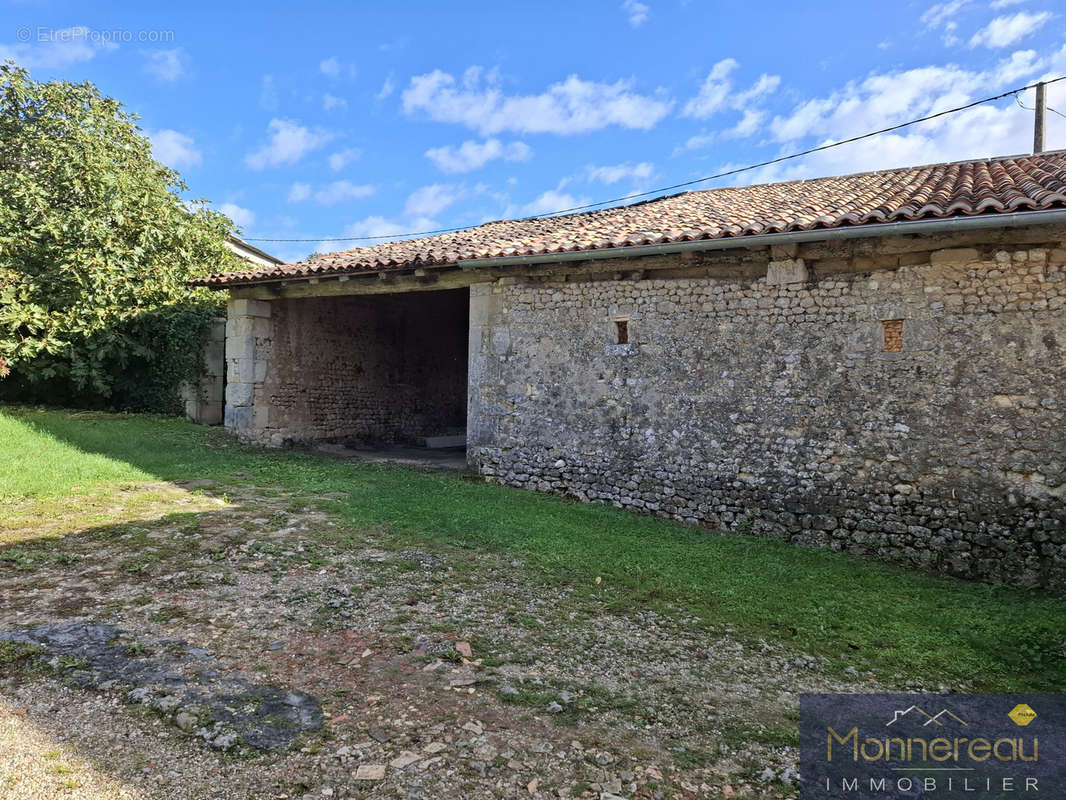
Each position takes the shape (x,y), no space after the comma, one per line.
(383,369)
(758,395)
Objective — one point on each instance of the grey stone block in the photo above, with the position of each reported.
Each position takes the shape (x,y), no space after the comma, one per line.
(239,394)
(238,418)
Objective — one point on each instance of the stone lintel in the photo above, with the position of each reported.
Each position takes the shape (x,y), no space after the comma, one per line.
(248,308)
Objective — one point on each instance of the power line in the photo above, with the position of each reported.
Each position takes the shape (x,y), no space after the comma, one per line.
(1027,108)
(693,182)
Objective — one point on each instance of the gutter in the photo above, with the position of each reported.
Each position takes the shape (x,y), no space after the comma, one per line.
(1016,219)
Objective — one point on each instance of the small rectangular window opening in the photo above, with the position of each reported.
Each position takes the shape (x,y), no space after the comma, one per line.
(893,331)
(622,327)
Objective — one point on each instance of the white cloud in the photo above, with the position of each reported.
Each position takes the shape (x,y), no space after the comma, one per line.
(387,88)
(342,158)
(299,192)
(333,67)
(550,202)
(471,155)
(289,142)
(618,172)
(941,13)
(996,5)
(636,12)
(941,16)
(716,93)
(423,204)
(342,191)
(878,101)
(713,92)
(1019,64)
(382,229)
(174,149)
(765,85)
(568,107)
(697,142)
(331,102)
(884,99)
(375,226)
(1005,31)
(242,217)
(166,65)
(430,200)
(61,48)
(749,123)
(331,193)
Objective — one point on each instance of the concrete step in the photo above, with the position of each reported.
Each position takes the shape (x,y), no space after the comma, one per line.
(441,442)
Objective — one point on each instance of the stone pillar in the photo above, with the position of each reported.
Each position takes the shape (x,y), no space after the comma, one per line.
(203,398)
(249,331)
(481,419)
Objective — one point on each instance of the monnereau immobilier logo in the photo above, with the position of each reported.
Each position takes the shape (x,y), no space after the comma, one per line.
(944,746)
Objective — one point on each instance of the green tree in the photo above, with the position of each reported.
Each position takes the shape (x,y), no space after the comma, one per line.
(96,246)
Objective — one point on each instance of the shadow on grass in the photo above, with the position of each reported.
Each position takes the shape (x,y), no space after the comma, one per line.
(898,623)
(96,566)
(130,577)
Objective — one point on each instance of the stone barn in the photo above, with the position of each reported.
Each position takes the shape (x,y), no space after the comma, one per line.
(874,363)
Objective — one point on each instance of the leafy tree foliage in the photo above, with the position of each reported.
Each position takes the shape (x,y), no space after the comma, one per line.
(96,246)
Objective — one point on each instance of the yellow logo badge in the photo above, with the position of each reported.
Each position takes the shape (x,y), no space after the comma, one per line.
(1022,714)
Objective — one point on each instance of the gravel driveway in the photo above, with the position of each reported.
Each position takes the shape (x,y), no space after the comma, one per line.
(437,673)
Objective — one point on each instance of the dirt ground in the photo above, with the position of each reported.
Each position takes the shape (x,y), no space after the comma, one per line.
(440,674)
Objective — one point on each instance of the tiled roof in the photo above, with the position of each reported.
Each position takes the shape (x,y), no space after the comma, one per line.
(968,188)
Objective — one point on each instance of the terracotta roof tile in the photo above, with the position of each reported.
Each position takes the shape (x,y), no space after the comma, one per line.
(1001,185)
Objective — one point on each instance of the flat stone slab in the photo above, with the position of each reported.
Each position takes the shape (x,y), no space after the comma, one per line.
(437,458)
(177,680)
(370,772)
(442,442)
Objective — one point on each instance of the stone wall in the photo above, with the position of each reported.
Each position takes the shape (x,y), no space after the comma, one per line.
(373,370)
(769,392)
(204,399)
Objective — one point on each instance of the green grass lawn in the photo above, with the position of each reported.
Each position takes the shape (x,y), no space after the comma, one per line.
(853,612)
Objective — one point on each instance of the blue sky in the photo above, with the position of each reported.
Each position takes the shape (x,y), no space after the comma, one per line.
(305,122)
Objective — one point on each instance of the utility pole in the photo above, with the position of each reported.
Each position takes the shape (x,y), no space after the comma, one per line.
(1038,119)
